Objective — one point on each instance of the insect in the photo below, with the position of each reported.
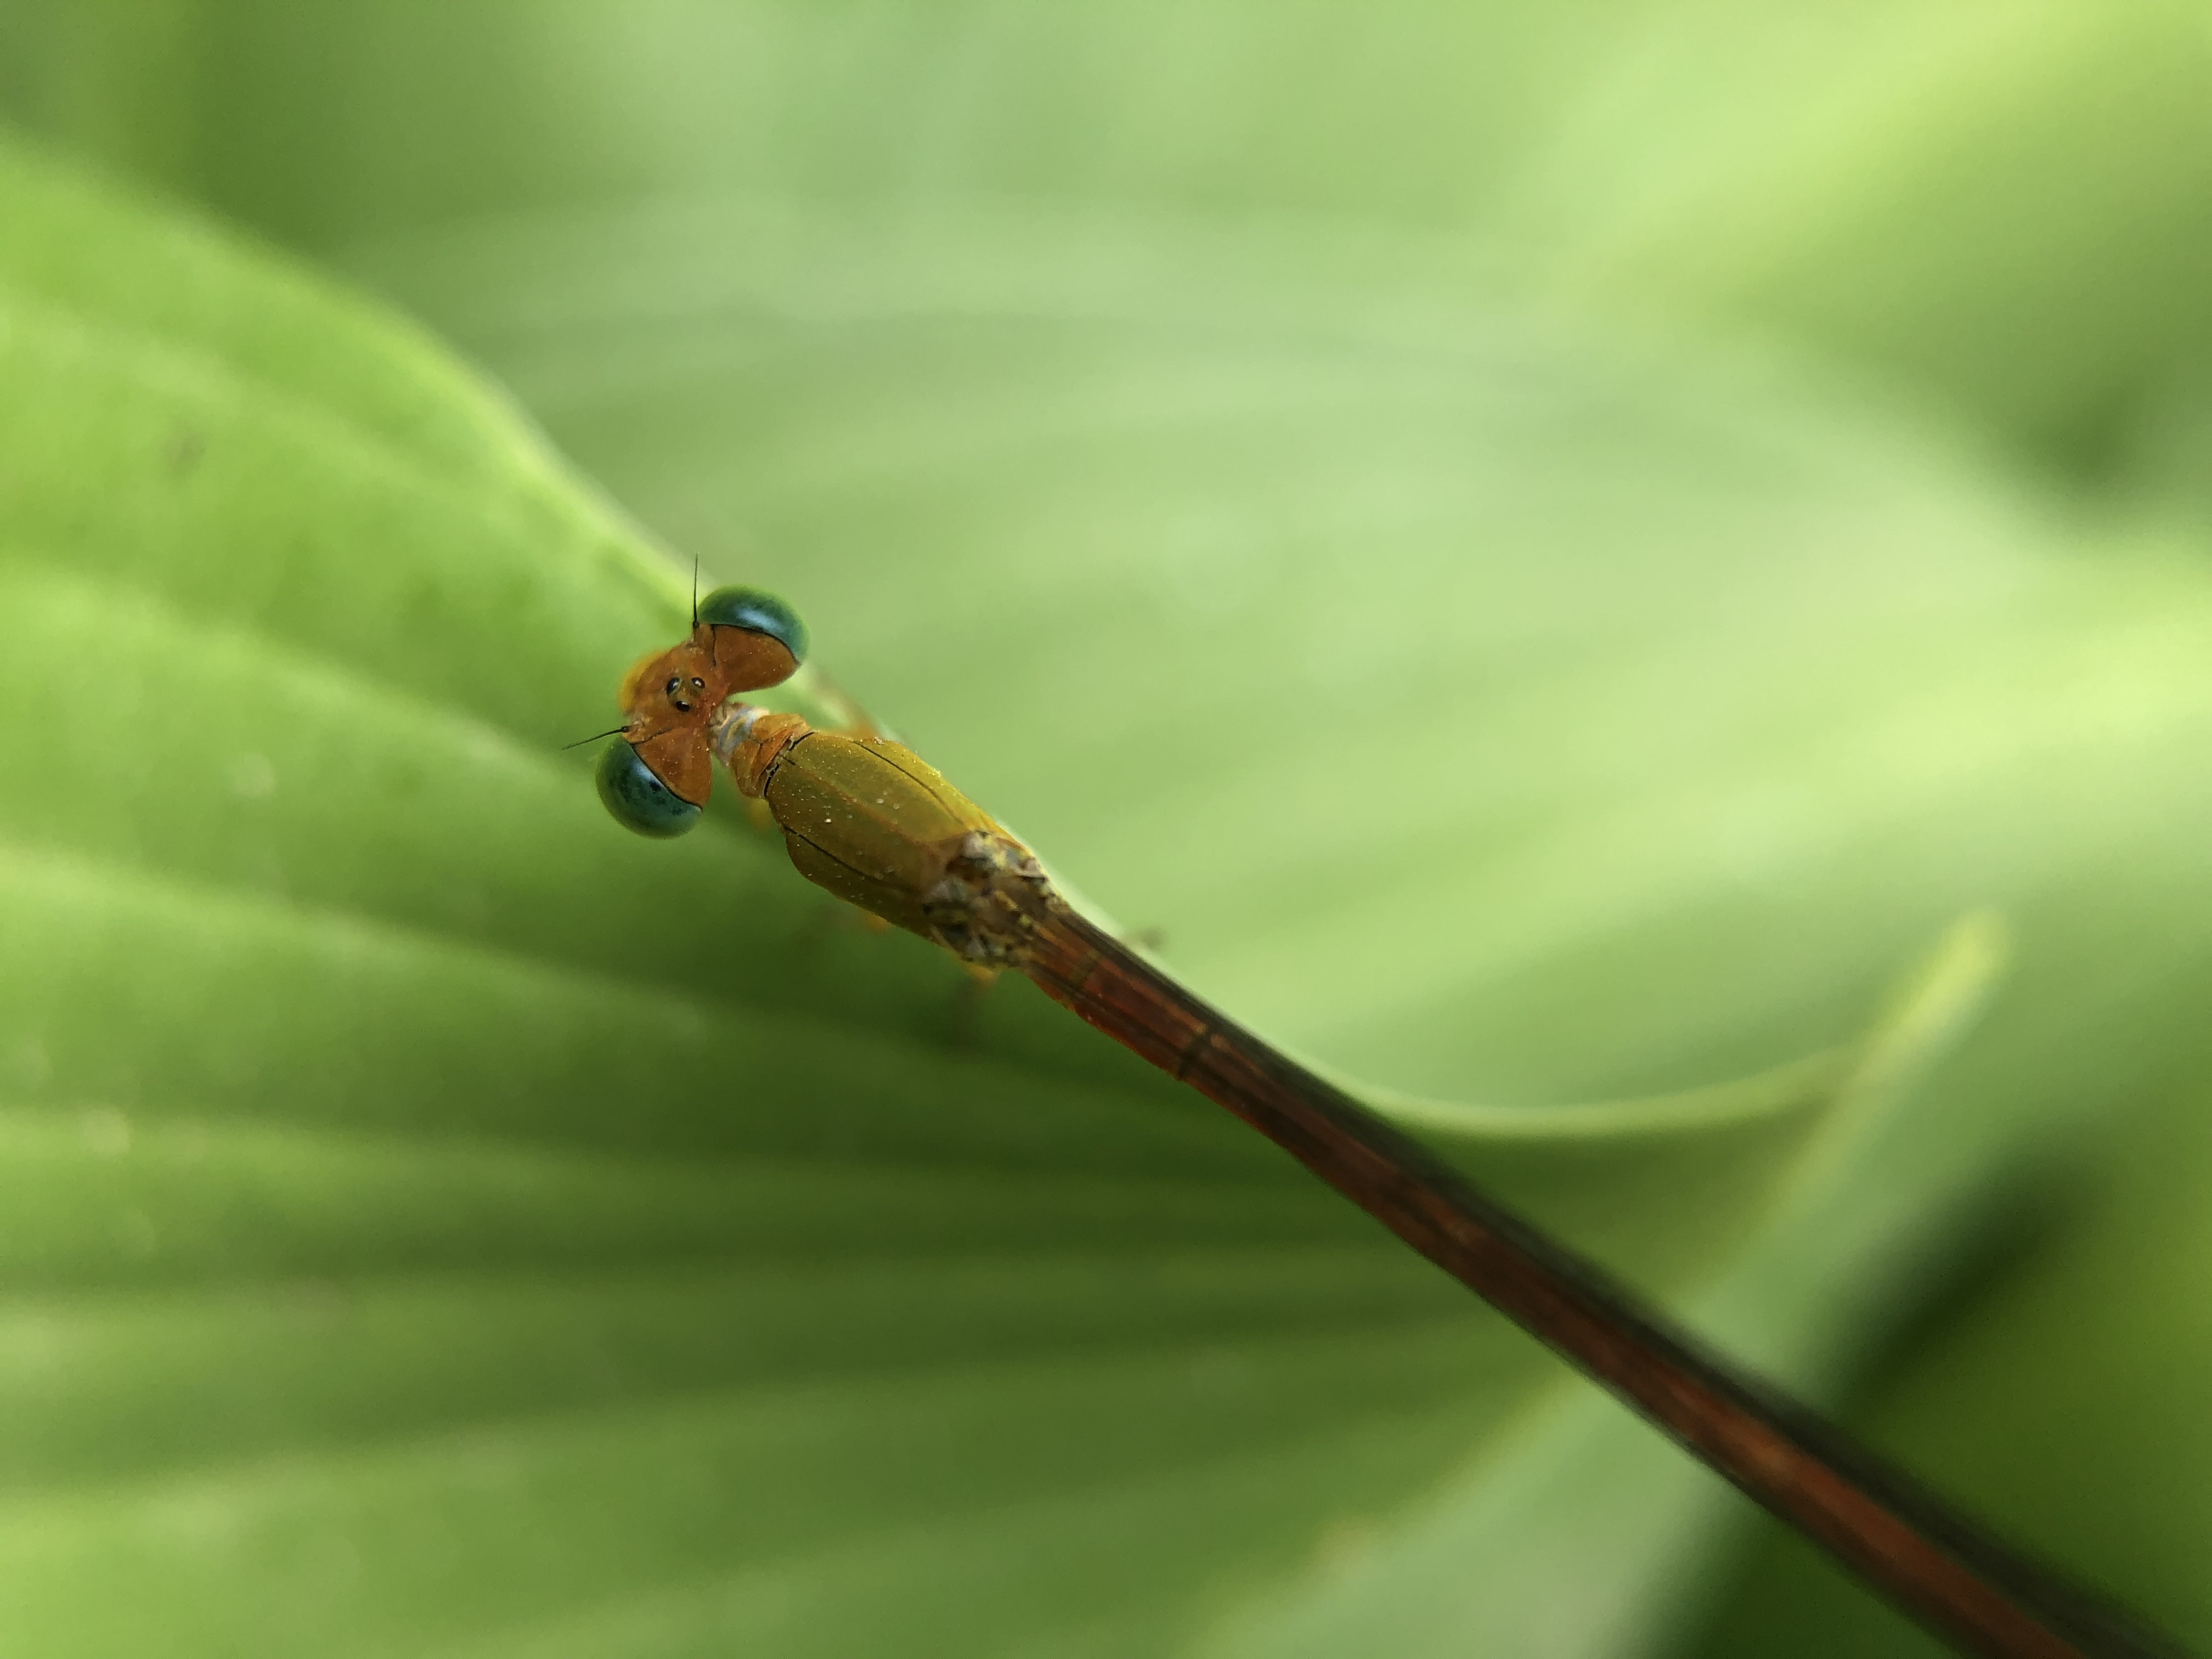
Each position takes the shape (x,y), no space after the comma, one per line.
(874,823)
(655,777)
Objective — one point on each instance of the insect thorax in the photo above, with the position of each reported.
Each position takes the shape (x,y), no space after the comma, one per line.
(986,908)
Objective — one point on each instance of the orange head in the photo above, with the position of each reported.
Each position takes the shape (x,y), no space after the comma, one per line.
(653,777)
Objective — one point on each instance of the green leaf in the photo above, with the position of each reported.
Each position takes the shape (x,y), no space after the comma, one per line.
(1495,709)
(1583,720)
(2066,1386)
(1998,206)
(440,1223)
(435,1218)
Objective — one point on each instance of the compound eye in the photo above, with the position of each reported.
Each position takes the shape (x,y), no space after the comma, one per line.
(756,612)
(638,799)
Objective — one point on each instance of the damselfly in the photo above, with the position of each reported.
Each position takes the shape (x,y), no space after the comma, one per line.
(875,824)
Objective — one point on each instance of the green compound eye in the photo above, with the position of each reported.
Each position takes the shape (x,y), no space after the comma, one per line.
(639,800)
(757,612)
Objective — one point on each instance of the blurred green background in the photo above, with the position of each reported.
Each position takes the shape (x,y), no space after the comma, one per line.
(1559,554)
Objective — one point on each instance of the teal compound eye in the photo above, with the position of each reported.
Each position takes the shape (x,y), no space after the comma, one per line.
(638,799)
(757,613)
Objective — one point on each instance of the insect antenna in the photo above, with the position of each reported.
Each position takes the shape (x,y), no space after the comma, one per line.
(594,738)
